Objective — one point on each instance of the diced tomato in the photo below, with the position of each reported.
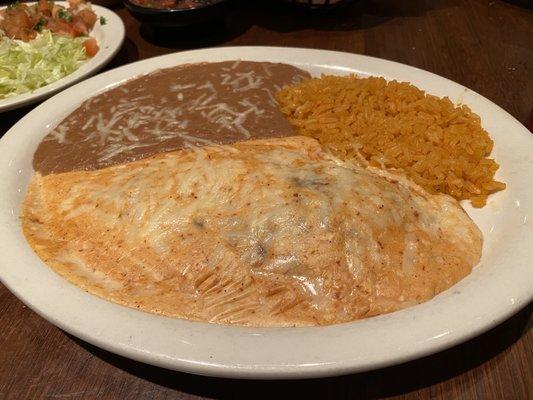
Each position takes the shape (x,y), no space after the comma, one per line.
(17,17)
(75,3)
(78,26)
(17,24)
(57,25)
(91,47)
(45,8)
(88,17)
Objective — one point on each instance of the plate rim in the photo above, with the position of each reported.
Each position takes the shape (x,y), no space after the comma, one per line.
(257,370)
(114,33)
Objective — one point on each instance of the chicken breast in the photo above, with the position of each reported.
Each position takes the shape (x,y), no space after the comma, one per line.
(271,232)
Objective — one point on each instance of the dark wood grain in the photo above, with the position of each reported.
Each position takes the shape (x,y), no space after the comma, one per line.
(485,45)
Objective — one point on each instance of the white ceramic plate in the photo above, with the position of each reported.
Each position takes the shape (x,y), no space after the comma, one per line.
(497,288)
(109,37)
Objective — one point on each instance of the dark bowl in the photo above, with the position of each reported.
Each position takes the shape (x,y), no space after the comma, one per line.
(178,17)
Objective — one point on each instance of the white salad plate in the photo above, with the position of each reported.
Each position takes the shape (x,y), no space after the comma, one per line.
(496,289)
(109,37)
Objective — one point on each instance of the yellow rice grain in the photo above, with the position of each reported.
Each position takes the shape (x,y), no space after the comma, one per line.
(395,125)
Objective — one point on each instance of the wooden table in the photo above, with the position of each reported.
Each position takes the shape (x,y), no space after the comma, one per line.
(485,45)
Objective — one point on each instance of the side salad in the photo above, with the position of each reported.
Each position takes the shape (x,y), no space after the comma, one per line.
(43,42)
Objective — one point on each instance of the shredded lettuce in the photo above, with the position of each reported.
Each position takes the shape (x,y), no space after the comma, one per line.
(26,66)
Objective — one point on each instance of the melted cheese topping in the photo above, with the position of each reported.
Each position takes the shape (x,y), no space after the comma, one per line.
(268,232)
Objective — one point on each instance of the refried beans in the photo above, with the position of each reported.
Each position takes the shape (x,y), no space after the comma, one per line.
(170,109)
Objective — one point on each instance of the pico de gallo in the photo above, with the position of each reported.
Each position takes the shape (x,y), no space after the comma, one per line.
(23,22)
